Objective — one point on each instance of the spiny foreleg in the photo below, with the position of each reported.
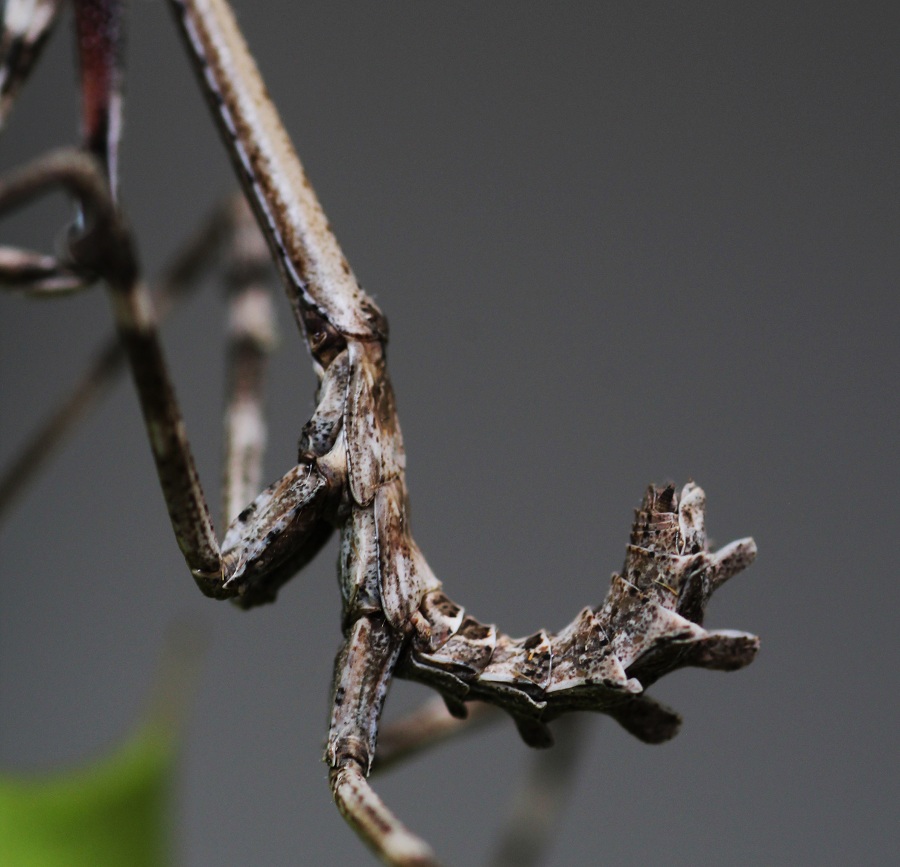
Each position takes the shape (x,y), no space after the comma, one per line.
(294,505)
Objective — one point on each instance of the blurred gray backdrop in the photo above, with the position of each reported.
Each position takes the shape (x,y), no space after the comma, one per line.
(617,243)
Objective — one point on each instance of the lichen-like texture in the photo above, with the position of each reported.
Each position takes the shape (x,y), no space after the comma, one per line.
(649,624)
(349,475)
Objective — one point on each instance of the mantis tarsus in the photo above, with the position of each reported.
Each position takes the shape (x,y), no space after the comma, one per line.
(350,473)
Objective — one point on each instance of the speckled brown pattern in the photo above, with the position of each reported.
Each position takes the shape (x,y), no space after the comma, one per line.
(350,472)
(649,625)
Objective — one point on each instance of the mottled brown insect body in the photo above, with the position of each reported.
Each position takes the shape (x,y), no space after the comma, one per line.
(350,473)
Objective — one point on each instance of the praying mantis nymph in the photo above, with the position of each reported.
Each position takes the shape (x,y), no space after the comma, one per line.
(349,475)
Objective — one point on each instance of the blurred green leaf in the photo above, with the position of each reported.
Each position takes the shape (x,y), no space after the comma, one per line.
(115,811)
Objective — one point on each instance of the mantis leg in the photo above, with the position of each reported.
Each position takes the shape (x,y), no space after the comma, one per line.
(286,516)
(539,801)
(362,672)
(251,338)
(427,726)
(177,280)
(26,26)
(106,249)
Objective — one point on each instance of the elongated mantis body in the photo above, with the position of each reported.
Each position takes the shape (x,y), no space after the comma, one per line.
(350,473)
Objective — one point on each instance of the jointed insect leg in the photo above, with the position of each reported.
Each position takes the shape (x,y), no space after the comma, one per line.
(38,274)
(177,280)
(264,540)
(105,248)
(251,337)
(350,471)
(427,726)
(26,26)
(540,799)
(363,671)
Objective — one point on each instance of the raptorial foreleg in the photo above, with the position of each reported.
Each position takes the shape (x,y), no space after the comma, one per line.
(284,523)
(99,39)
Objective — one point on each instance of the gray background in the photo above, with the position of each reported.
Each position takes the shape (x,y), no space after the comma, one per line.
(616,243)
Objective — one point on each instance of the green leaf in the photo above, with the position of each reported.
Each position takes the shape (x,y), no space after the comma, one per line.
(117,810)
(114,811)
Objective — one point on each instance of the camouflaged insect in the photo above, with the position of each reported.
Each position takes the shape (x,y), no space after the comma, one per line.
(350,469)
